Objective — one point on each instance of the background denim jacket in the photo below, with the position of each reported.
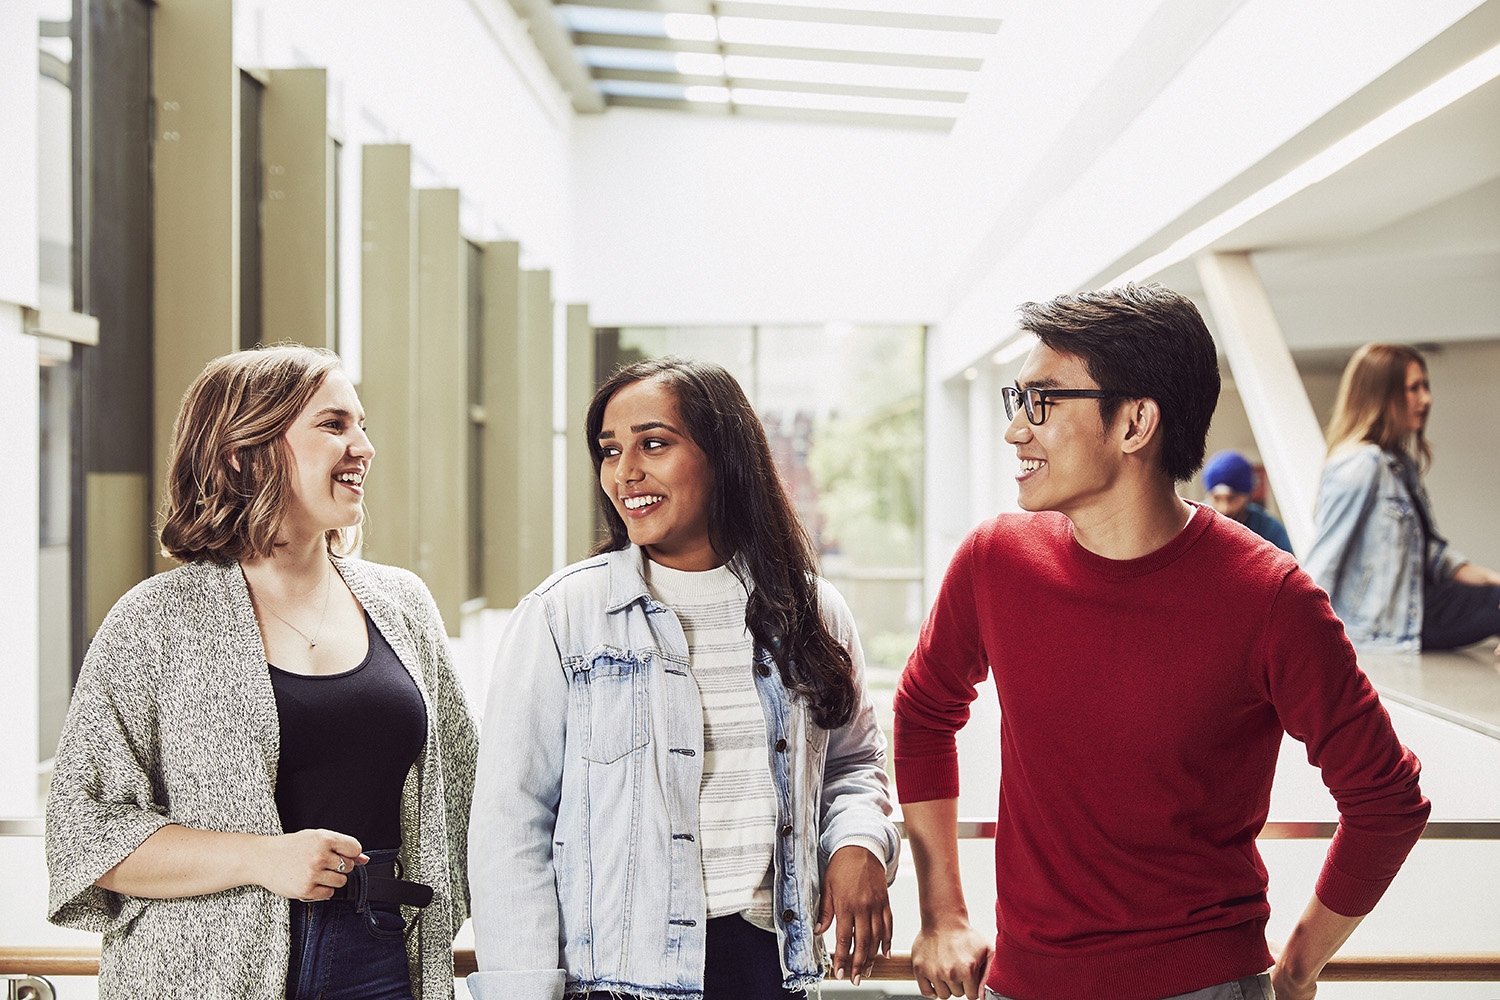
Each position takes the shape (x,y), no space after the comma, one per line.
(1368,552)
(585,871)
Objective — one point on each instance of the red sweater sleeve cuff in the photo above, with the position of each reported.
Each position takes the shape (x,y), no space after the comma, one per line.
(922,779)
(1347,895)
(1360,865)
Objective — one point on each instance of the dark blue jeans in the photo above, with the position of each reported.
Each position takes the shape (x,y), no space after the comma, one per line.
(1456,614)
(341,951)
(741,963)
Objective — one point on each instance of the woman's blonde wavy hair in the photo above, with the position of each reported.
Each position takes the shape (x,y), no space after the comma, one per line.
(238,411)
(1371,404)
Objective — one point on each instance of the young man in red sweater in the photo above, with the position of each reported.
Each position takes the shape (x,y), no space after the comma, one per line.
(1148,654)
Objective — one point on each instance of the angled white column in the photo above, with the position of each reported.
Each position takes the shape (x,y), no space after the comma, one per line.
(1281,417)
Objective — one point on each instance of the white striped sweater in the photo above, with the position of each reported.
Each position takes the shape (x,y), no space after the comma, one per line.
(736,800)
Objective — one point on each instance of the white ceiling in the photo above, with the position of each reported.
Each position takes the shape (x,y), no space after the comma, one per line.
(1403,244)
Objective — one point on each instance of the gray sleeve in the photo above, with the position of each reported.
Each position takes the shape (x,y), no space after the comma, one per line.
(105,796)
(458,744)
(856,803)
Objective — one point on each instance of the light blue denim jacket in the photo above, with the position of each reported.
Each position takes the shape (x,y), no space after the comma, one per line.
(1368,550)
(584,869)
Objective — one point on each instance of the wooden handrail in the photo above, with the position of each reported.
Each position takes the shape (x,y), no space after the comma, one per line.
(984,829)
(1452,968)
(38,961)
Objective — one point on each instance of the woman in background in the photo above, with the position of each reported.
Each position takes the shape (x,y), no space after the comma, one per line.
(682,783)
(1396,583)
(267,753)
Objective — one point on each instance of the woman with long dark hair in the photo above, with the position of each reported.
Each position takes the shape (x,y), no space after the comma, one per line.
(682,783)
(1392,578)
(264,776)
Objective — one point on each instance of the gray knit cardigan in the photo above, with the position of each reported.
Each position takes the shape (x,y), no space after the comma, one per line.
(173,721)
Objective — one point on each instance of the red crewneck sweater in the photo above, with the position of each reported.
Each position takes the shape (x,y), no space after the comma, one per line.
(1142,705)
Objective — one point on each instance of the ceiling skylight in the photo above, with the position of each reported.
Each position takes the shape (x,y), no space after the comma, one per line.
(900,63)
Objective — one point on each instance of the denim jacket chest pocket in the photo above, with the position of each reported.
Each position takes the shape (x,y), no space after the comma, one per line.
(610,689)
(1398,506)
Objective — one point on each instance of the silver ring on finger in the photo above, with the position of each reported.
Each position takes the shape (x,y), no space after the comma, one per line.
(341,867)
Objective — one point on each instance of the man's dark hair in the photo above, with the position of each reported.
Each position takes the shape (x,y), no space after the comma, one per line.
(1143,342)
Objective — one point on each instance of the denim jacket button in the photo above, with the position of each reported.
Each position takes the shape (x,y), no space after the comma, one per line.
(788,917)
(781,746)
(786,831)
(763,670)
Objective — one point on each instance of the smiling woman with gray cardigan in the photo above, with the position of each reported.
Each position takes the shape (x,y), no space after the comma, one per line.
(262,787)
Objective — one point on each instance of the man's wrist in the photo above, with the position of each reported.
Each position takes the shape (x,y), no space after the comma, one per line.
(1299,969)
(949,919)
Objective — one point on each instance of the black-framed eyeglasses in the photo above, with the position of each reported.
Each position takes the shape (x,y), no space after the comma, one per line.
(1035,400)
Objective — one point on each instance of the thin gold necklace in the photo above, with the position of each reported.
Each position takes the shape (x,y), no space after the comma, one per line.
(312,640)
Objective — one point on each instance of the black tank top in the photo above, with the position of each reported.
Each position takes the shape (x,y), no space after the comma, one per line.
(347,743)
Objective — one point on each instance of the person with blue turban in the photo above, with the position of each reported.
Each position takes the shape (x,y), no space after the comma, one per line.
(1229,480)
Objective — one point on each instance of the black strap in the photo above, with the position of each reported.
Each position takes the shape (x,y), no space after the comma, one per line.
(382,886)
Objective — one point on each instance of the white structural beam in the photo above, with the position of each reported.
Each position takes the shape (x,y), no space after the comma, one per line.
(1281,416)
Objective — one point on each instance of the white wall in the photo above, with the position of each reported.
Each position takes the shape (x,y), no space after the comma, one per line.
(18,152)
(18,554)
(1465,433)
(685,219)
(18,408)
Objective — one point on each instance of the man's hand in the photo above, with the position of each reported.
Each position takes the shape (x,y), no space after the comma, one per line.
(951,960)
(949,957)
(854,894)
(1319,934)
(1286,988)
